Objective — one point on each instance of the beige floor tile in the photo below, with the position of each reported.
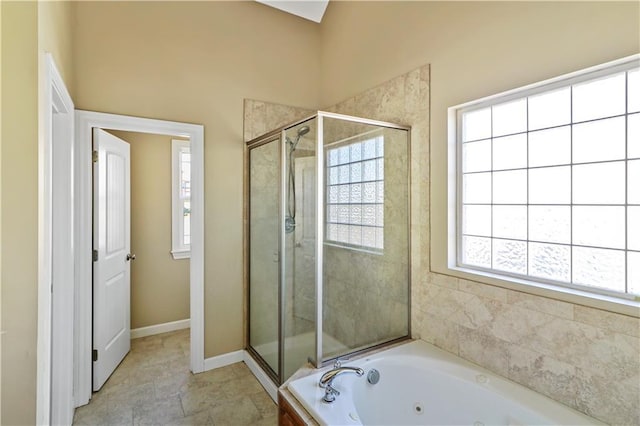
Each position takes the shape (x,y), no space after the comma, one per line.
(153,386)
(158,412)
(237,412)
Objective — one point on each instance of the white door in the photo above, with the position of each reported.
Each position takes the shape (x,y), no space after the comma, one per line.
(111,243)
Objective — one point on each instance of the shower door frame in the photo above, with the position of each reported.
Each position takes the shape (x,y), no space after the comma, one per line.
(320,210)
(278,135)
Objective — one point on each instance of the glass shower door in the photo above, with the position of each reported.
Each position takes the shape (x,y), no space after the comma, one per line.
(264,234)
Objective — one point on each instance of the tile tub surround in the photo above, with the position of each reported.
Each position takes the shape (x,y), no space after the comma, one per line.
(586,358)
(153,385)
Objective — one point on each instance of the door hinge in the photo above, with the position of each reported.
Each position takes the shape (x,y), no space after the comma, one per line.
(95,255)
(94,355)
(95,156)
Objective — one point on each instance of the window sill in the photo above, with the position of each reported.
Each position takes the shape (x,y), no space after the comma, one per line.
(619,305)
(181,254)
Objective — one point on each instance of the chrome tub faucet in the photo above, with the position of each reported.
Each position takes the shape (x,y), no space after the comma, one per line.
(326,381)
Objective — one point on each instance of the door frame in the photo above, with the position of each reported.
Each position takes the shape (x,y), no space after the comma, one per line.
(85,122)
(55,243)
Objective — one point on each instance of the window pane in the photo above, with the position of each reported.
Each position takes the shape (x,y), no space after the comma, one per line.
(368,236)
(476,251)
(550,224)
(333,194)
(476,220)
(599,140)
(550,261)
(600,226)
(355,235)
(477,188)
(186,223)
(333,213)
(633,272)
(599,267)
(343,194)
(369,170)
(369,195)
(343,174)
(510,256)
(550,185)
(369,215)
(356,193)
(343,214)
(333,176)
(332,231)
(510,117)
(510,187)
(369,149)
(550,147)
(510,222)
(343,155)
(343,233)
(356,152)
(476,156)
(356,215)
(476,125)
(599,183)
(333,157)
(550,109)
(599,98)
(633,228)
(356,172)
(633,136)
(633,90)
(510,152)
(633,169)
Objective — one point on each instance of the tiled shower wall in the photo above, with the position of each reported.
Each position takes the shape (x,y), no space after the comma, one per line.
(586,358)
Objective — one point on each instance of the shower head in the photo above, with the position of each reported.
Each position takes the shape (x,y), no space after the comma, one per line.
(301,132)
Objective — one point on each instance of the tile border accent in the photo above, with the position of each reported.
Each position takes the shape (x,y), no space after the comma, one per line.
(161,328)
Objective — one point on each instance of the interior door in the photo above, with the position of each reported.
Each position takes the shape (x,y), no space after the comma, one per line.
(111,266)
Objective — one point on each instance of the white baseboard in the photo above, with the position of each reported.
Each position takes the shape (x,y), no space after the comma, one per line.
(160,328)
(262,377)
(222,360)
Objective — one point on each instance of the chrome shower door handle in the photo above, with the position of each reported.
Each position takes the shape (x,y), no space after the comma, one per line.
(131,257)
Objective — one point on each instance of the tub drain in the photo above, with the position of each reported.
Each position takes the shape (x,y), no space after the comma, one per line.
(418,408)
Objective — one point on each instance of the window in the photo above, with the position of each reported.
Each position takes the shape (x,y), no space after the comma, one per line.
(181,199)
(548,182)
(355,193)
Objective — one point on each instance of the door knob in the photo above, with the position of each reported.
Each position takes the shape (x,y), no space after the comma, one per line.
(131,257)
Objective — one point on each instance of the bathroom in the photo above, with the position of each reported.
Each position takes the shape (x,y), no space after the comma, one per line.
(366,60)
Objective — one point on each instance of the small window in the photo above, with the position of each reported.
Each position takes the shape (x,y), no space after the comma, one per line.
(548,182)
(355,194)
(181,199)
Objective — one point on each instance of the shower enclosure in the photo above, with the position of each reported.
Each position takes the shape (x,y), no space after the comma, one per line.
(327,247)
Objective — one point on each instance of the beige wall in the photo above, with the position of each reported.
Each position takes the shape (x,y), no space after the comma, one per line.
(196,62)
(159,284)
(28,30)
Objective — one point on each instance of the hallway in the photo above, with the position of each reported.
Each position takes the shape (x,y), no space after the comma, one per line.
(153,386)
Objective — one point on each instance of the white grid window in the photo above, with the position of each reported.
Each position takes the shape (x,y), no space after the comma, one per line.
(355,194)
(181,199)
(549,182)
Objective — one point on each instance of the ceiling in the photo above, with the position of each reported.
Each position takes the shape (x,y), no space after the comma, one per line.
(312,10)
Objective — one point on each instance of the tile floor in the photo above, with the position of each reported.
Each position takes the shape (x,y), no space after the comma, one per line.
(153,386)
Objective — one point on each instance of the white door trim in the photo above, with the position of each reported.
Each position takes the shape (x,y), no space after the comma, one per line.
(55,141)
(85,122)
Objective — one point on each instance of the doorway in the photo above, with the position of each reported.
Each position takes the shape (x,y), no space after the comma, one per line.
(86,121)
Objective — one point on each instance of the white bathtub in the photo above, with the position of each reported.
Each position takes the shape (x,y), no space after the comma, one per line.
(423,385)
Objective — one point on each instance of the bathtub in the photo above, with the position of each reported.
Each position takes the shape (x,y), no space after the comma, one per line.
(420,384)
